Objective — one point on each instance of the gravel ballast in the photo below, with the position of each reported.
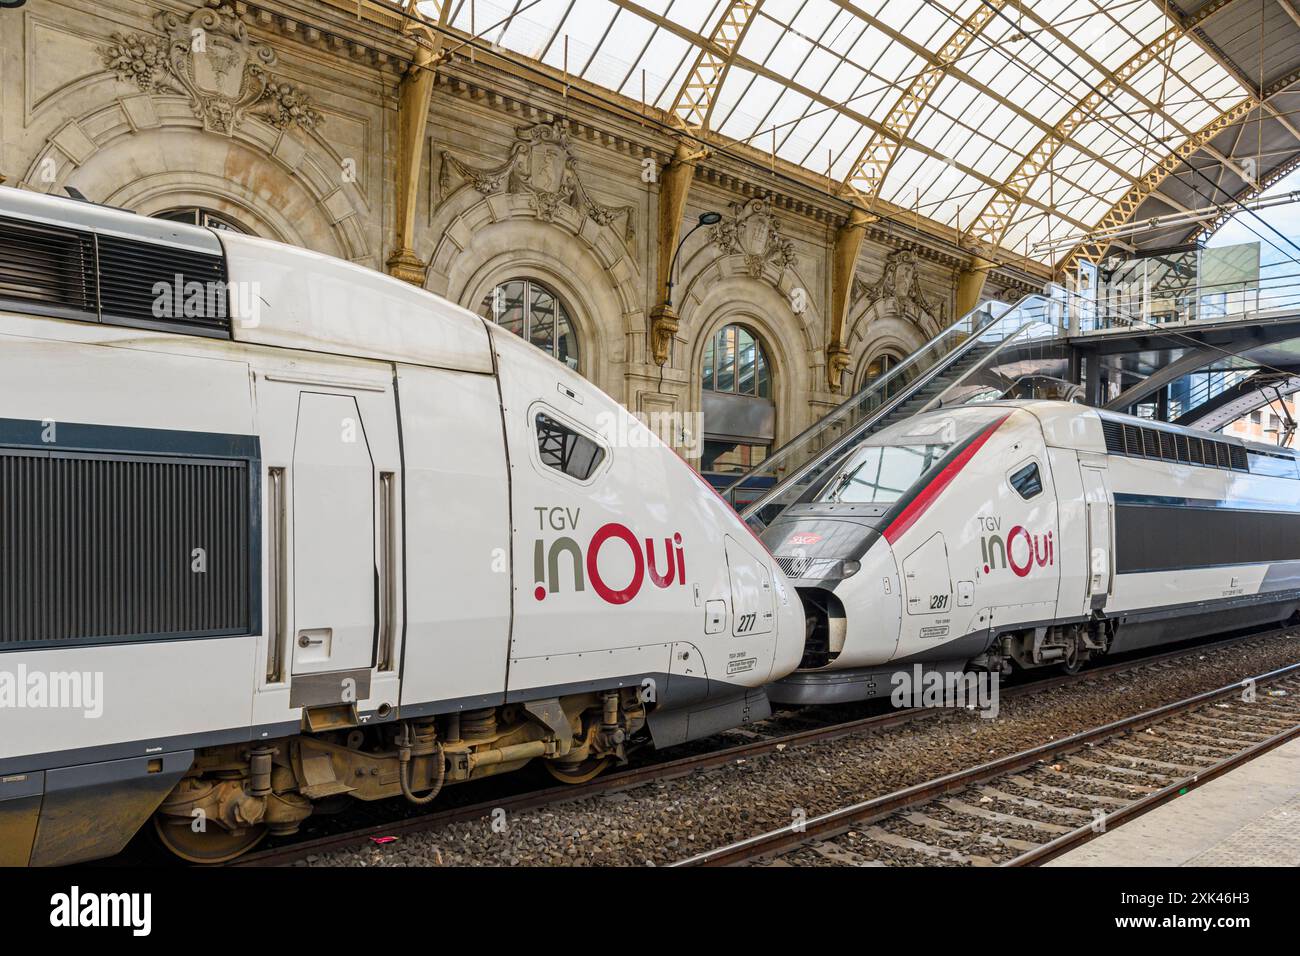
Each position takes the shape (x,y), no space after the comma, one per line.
(666,821)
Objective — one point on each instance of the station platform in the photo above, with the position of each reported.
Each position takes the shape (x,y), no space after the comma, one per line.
(1248,817)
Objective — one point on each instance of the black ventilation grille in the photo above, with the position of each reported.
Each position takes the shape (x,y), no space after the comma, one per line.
(69,273)
(1138,442)
(1114,433)
(99,548)
(145,282)
(46,270)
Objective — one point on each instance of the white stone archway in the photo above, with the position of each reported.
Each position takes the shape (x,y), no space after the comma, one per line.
(283,184)
(480,241)
(723,293)
(889,325)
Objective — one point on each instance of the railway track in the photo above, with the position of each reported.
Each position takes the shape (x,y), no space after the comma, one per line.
(1026,808)
(764,742)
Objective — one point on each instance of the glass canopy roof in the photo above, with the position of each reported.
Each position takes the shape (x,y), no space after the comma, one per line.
(1015,122)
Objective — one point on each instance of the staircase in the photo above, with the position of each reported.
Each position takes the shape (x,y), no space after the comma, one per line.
(945,371)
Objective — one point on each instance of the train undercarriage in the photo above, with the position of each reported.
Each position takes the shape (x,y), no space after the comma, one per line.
(235,795)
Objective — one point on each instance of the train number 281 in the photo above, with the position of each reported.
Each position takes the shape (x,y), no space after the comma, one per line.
(938,602)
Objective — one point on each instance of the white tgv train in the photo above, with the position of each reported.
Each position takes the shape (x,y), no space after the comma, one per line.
(279,530)
(1032,533)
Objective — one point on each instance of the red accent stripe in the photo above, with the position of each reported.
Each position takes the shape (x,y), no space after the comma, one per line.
(926,496)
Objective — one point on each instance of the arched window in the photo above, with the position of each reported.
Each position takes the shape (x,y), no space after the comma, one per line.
(734,362)
(739,415)
(533,312)
(196,216)
(879,366)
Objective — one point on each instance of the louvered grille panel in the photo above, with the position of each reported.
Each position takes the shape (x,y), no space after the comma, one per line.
(1114,434)
(46,269)
(142,281)
(100,547)
(1150,443)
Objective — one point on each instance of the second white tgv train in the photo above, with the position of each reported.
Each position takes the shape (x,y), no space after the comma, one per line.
(278,531)
(1032,533)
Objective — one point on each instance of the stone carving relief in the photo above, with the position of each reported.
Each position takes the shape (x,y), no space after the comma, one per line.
(901,280)
(543,166)
(209,57)
(754,233)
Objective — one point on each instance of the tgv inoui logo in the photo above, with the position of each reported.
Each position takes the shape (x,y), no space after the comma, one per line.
(564,557)
(1021,550)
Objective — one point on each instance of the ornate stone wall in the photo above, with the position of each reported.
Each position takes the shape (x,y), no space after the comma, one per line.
(281,116)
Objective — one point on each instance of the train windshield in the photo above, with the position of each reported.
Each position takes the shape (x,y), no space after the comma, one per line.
(885,466)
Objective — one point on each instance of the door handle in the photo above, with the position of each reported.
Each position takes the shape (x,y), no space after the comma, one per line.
(305,641)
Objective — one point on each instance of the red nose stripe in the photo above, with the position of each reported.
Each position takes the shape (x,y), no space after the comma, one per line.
(925,497)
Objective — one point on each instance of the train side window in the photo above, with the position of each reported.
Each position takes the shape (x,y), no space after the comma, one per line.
(562,448)
(1027,481)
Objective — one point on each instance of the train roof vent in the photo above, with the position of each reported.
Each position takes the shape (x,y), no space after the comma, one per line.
(1168,451)
(46,270)
(1132,440)
(1240,460)
(1150,443)
(1114,434)
(1195,450)
(145,283)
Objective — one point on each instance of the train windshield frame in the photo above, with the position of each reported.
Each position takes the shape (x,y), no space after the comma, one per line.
(886,466)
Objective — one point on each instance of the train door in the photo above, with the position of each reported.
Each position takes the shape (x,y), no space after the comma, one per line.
(1100,536)
(333,540)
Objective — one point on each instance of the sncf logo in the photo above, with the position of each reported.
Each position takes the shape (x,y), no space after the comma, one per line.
(1021,550)
(566,559)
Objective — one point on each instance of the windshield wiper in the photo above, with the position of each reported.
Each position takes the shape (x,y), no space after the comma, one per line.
(841,483)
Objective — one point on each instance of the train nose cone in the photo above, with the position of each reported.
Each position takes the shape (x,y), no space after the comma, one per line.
(791,629)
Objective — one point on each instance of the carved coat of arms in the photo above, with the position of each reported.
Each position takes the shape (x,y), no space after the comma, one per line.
(209,57)
(901,280)
(754,233)
(543,166)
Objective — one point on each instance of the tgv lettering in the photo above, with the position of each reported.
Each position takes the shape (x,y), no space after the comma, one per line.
(582,568)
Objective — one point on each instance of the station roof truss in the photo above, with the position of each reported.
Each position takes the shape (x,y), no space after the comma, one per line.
(1027,128)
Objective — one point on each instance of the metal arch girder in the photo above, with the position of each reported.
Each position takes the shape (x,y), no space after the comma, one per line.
(758,69)
(996,217)
(1238,401)
(693,105)
(877,156)
(1123,210)
(1126,206)
(998,214)
(1207,229)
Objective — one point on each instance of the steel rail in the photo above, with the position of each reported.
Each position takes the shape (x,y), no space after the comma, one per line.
(671,769)
(1084,834)
(868,811)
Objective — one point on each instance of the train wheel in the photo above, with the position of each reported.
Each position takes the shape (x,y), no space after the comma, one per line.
(1075,658)
(589,769)
(215,845)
